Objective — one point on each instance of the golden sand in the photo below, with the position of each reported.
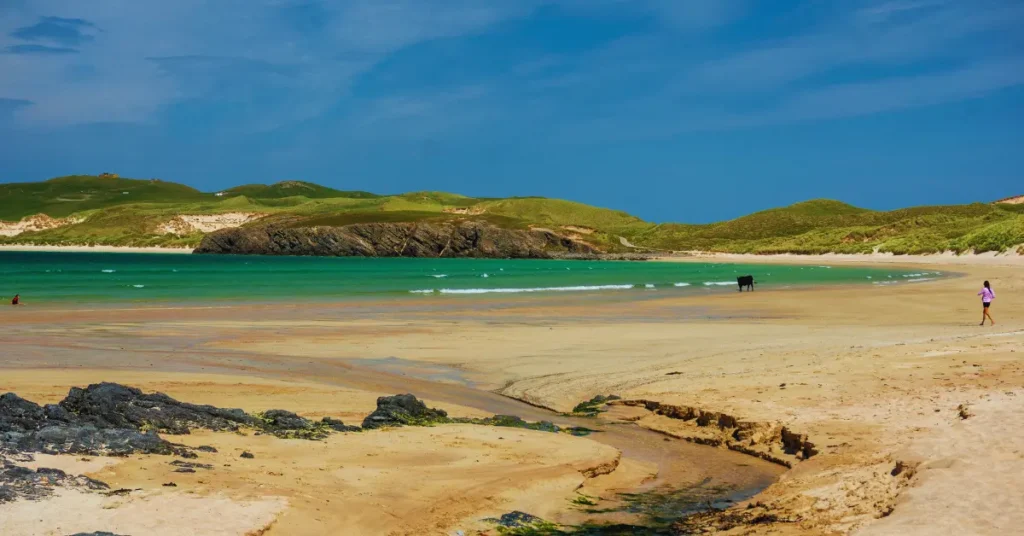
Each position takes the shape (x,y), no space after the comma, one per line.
(874,377)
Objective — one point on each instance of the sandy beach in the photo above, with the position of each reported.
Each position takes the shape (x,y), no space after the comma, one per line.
(896,410)
(93,249)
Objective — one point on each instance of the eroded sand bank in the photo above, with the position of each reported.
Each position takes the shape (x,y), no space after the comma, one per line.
(874,377)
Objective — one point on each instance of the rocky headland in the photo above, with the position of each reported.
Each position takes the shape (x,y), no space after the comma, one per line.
(465,239)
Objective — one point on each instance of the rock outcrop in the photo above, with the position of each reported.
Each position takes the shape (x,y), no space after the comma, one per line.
(466,239)
(403,410)
(772,442)
(112,419)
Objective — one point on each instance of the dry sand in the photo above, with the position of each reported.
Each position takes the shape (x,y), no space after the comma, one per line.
(93,249)
(875,378)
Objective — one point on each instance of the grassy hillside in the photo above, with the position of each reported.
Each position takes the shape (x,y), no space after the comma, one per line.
(292,189)
(824,226)
(64,196)
(117,211)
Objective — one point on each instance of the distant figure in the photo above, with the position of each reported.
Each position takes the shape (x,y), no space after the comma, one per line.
(746,281)
(16,300)
(987,295)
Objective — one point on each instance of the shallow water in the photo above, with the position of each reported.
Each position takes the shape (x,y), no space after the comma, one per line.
(689,476)
(48,277)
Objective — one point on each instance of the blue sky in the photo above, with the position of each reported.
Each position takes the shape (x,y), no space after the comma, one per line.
(674,110)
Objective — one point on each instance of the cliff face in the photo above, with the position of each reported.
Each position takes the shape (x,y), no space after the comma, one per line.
(467,239)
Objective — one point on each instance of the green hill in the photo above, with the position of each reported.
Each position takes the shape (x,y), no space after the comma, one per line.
(116,211)
(64,196)
(824,226)
(292,189)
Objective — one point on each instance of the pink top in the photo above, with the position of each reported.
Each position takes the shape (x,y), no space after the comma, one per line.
(987,295)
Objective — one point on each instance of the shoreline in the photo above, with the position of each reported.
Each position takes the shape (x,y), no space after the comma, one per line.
(94,249)
(1008,258)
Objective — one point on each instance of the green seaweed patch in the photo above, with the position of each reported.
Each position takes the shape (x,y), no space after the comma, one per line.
(512,421)
(547,528)
(584,500)
(592,407)
(287,425)
(663,506)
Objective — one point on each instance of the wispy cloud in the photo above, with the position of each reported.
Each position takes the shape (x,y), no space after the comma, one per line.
(38,49)
(9,106)
(67,32)
(273,64)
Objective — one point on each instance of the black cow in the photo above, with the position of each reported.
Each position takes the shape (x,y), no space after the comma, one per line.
(746,281)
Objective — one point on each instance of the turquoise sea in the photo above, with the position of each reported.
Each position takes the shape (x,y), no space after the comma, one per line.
(162,278)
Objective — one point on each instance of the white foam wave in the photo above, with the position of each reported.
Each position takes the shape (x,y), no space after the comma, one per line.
(649,285)
(439,276)
(919,279)
(718,283)
(139,286)
(108,271)
(579,288)
(485,275)
(680,284)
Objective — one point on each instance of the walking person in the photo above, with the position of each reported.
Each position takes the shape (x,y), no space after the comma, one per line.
(987,295)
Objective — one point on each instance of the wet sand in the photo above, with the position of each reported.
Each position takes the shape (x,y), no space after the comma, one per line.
(872,376)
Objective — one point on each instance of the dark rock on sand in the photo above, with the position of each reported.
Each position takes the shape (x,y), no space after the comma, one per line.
(206,448)
(16,413)
(284,420)
(112,419)
(515,519)
(338,426)
(23,483)
(286,424)
(88,439)
(110,405)
(246,454)
(96,534)
(464,239)
(191,465)
(403,410)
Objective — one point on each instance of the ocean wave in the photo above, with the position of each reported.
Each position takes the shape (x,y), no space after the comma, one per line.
(680,284)
(108,271)
(919,279)
(579,288)
(718,283)
(139,286)
(439,276)
(485,275)
(649,285)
